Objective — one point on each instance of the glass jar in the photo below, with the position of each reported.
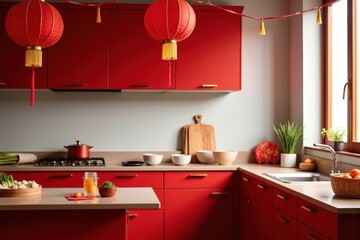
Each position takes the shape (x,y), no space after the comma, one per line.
(90,181)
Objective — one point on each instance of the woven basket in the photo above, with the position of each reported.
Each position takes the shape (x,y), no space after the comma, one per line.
(345,187)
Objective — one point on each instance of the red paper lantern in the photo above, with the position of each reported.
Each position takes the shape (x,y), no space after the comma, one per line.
(34,24)
(267,152)
(169,21)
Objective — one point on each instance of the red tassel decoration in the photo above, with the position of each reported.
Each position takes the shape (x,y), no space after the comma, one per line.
(32,90)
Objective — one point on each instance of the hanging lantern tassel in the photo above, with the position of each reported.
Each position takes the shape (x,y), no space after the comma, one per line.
(33,56)
(262,31)
(169,50)
(318,19)
(32,90)
(98,15)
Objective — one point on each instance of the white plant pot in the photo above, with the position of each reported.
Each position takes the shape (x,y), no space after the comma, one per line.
(288,160)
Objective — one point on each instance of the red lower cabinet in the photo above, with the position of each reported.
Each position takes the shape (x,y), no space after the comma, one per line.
(198,214)
(145,224)
(284,226)
(263,210)
(306,233)
(197,206)
(57,179)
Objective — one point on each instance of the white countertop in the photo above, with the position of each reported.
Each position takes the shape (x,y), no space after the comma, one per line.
(54,199)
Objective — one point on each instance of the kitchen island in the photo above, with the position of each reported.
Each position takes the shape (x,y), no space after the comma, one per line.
(49,215)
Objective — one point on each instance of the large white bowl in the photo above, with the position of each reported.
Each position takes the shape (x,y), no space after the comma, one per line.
(225,157)
(152,158)
(180,159)
(205,156)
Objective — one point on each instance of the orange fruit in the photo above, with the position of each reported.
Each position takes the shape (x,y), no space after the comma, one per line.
(357,177)
(354,172)
(77,194)
(308,161)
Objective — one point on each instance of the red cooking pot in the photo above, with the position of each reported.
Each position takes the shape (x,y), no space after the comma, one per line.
(78,151)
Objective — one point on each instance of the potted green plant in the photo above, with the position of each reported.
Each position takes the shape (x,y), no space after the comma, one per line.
(107,189)
(289,134)
(337,135)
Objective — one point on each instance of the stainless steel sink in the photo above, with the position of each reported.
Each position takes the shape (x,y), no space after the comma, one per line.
(298,177)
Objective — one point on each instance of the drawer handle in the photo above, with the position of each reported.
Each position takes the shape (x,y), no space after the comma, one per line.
(132,215)
(198,175)
(127,175)
(61,176)
(209,85)
(311,237)
(261,186)
(245,179)
(219,193)
(281,196)
(307,209)
(75,84)
(2,84)
(282,219)
(141,85)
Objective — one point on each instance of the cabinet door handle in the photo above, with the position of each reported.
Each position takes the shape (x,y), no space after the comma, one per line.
(248,200)
(61,176)
(281,196)
(261,186)
(132,215)
(307,209)
(2,84)
(281,218)
(75,84)
(245,179)
(219,193)
(126,175)
(209,85)
(311,237)
(197,175)
(141,85)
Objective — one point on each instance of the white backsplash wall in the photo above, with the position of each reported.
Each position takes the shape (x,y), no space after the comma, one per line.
(128,121)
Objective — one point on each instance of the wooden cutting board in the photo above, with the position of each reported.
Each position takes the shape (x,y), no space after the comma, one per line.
(198,136)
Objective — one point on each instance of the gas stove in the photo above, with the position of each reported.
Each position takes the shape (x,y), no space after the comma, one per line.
(65,162)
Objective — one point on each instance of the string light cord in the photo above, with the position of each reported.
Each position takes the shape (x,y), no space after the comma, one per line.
(265,18)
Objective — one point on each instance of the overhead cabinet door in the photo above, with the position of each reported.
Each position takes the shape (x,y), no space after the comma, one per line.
(79,61)
(210,59)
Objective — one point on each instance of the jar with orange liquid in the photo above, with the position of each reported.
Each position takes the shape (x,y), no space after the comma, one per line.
(90,183)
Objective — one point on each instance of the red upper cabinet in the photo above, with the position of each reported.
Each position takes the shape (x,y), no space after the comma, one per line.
(79,60)
(135,58)
(13,73)
(210,59)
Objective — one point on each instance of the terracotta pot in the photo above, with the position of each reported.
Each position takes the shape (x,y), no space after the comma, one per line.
(78,151)
(107,192)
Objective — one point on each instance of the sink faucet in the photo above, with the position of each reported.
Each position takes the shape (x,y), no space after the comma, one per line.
(332,151)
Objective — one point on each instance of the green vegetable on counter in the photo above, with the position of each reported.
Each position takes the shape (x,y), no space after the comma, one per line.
(6,180)
(108,184)
(8,158)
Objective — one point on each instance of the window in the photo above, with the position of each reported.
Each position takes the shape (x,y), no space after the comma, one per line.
(342,108)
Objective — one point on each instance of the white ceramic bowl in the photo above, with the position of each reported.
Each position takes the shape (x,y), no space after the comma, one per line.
(180,159)
(152,158)
(224,157)
(205,156)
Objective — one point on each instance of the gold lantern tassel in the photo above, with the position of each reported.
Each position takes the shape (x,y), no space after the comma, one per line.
(33,56)
(262,28)
(318,19)
(98,15)
(169,50)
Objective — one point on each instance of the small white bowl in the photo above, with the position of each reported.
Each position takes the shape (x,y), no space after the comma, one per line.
(225,157)
(205,156)
(180,159)
(152,159)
